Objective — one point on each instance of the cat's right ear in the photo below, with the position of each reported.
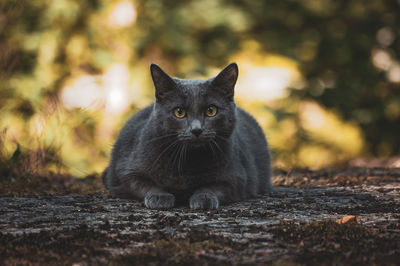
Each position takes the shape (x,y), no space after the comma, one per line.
(225,81)
(162,82)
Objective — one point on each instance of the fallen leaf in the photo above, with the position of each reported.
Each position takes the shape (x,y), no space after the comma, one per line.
(347,219)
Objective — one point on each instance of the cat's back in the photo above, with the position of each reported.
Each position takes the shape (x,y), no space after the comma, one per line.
(126,142)
(132,130)
(138,120)
(249,129)
(254,153)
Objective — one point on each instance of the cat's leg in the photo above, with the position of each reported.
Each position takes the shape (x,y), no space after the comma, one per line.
(153,196)
(141,188)
(209,197)
(158,199)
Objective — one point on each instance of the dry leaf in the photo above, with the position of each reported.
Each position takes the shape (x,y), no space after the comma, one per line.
(347,219)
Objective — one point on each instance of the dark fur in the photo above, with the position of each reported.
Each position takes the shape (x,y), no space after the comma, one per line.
(158,159)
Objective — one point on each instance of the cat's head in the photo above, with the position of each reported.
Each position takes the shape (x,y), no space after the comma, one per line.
(197,111)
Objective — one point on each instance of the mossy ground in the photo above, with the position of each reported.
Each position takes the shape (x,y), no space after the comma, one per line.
(330,243)
(26,173)
(315,243)
(55,219)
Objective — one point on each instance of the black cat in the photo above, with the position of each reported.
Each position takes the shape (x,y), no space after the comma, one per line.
(191,145)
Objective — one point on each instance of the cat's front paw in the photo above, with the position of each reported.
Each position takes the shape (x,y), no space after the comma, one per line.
(204,200)
(160,200)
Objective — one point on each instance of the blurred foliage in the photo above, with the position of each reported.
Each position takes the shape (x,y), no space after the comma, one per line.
(343,99)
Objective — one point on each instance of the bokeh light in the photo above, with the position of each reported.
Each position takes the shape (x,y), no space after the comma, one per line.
(122,14)
(323,89)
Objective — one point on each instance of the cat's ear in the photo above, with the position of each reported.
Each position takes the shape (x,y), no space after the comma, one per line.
(163,83)
(225,81)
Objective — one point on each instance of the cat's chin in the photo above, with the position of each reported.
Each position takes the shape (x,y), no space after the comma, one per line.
(197,143)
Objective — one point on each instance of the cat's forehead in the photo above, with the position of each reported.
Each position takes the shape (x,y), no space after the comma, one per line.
(192,87)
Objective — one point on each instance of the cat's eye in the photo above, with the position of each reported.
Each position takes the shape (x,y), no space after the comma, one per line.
(211,111)
(179,112)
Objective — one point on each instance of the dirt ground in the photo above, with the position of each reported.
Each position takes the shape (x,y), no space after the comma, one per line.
(294,225)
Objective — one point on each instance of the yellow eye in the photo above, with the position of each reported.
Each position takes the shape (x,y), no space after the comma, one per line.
(211,111)
(179,112)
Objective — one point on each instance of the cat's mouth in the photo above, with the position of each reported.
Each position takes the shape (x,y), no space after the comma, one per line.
(196,141)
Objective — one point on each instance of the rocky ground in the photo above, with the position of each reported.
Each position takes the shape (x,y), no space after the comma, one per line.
(294,225)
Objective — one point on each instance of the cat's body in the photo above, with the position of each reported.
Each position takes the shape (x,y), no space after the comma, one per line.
(193,144)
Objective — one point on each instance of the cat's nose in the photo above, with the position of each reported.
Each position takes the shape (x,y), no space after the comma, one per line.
(196,131)
(196,128)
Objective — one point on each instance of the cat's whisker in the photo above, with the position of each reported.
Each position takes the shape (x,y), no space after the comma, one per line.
(177,159)
(215,152)
(176,155)
(222,138)
(183,156)
(212,149)
(173,156)
(161,154)
(185,153)
(180,161)
(220,149)
(162,137)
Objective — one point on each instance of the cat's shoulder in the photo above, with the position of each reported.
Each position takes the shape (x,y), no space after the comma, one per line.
(145,112)
(245,117)
(142,115)
(137,121)
(248,125)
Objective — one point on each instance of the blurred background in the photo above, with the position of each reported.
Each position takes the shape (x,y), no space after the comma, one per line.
(321,77)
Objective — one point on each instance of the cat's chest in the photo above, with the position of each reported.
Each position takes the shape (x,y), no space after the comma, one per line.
(190,170)
(183,180)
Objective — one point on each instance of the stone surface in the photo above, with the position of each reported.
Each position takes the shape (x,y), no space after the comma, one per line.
(272,228)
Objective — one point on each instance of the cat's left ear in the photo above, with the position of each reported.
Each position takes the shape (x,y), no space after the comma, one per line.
(225,81)
(162,82)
